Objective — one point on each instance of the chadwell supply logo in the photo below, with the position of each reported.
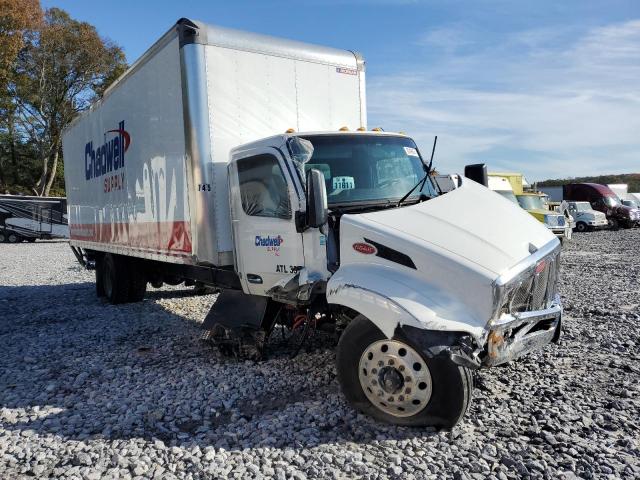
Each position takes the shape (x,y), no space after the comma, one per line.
(272,243)
(108,157)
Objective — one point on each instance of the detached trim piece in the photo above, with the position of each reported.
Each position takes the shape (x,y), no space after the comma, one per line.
(392,255)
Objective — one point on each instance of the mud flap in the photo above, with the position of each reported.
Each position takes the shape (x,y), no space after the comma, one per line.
(235,324)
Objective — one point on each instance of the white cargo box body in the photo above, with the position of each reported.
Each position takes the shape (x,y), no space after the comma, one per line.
(146,166)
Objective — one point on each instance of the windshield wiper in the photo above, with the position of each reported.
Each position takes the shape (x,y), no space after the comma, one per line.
(423,180)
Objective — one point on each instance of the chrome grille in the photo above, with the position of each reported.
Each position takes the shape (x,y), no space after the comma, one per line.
(538,291)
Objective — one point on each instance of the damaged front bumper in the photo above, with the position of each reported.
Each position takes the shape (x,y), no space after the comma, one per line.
(515,335)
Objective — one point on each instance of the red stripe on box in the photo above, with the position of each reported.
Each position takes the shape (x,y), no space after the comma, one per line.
(160,236)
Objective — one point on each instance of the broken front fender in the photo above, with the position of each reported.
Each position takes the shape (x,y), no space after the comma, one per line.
(391,299)
(518,334)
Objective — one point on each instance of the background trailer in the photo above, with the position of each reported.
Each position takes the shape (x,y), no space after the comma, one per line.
(24,218)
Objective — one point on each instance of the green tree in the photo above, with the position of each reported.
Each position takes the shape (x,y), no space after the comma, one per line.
(18,21)
(59,73)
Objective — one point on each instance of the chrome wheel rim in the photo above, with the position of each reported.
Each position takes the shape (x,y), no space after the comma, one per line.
(395,378)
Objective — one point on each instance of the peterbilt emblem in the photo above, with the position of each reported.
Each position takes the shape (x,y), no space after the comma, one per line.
(364,248)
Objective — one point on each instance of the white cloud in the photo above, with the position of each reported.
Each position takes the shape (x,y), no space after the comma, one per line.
(534,102)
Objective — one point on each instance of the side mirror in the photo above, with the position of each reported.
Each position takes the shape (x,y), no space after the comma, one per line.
(478,173)
(317,209)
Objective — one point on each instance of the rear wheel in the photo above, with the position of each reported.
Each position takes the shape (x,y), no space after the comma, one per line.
(115,279)
(581,227)
(14,238)
(99,277)
(394,382)
(3,237)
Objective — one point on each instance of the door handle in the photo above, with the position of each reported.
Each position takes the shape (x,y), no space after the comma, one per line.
(253,278)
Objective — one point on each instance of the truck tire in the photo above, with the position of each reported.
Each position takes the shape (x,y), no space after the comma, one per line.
(99,277)
(14,238)
(138,282)
(581,227)
(3,237)
(390,380)
(116,280)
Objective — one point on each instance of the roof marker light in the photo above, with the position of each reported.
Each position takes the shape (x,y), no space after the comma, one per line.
(290,130)
(377,129)
(361,129)
(343,129)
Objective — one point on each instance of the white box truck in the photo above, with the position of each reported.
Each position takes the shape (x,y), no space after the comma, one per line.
(183,172)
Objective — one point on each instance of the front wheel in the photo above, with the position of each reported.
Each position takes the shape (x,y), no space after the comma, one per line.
(581,227)
(394,382)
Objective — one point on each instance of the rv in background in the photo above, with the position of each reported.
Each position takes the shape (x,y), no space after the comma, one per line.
(25,218)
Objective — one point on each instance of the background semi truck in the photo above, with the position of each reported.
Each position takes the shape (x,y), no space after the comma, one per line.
(191,168)
(604,200)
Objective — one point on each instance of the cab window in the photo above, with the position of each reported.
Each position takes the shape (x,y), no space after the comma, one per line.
(263,188)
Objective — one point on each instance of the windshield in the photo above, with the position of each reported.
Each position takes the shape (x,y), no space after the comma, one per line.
(630,203)
(367,168)
(610,201)
(508,194)
(531,202)
(583,206)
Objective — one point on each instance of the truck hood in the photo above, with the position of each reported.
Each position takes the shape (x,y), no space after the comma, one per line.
(470,223)
(626,211)
(593,214)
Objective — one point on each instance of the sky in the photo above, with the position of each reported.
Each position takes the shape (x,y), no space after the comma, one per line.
(548,88)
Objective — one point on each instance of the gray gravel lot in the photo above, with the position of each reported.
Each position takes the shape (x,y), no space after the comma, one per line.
(89,390)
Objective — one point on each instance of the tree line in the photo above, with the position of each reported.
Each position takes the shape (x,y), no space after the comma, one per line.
(631,179)
(51,68)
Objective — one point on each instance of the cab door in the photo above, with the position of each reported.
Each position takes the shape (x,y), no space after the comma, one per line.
(263,199)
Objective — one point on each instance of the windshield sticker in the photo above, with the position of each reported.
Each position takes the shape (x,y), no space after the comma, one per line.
(411,151)
(344,183)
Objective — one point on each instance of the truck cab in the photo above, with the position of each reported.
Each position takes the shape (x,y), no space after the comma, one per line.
(555,221)
(586,217)
(350,228)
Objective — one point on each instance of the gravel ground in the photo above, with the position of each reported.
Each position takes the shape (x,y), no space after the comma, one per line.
(89,390)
